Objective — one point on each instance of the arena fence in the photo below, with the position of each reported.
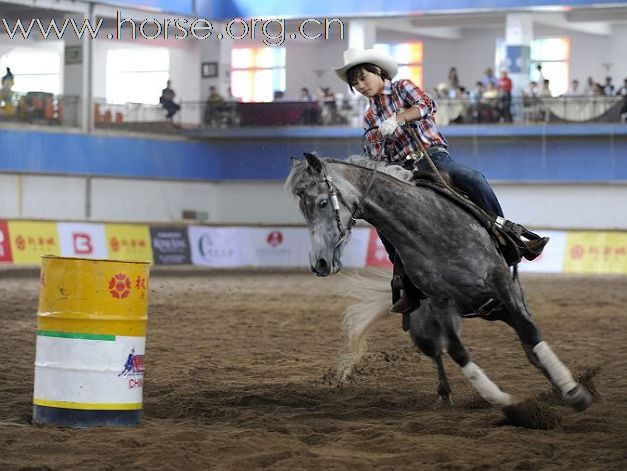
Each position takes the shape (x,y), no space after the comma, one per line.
(22,242)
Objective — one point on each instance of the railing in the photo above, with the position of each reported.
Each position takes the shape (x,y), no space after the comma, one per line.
(39,108)
(47,109)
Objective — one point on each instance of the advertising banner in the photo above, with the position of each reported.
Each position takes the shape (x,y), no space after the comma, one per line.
(219,246)
(596,252)
(278,247)
(82,240)
(5,243)
(31,240)
(170,245)
(551,260)
(128,242)
(377,256)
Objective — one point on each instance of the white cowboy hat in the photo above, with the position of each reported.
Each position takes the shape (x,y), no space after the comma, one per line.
(354,56)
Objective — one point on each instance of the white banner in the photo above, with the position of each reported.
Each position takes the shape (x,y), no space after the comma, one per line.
(82,240)
(551,260)
(219,246)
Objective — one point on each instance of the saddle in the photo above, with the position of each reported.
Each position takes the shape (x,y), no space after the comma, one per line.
(513,241)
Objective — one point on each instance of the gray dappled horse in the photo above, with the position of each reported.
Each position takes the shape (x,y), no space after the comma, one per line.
(446,253)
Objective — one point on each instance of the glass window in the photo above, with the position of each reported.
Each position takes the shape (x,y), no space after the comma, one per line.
(257,73)
(136,75)
(554,56)
(35,69)
(409,57)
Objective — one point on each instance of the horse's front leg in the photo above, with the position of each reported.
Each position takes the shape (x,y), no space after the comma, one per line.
(427,334)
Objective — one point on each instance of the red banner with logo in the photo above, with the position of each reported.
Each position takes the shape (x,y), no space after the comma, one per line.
(5,243)
(377,255)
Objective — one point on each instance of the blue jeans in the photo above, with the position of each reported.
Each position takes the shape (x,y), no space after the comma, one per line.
(467,179)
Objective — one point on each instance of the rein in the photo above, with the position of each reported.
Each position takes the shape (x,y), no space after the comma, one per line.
(335,195)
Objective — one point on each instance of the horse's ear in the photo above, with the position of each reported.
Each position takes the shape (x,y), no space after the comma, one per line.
(295,161)
(314,161)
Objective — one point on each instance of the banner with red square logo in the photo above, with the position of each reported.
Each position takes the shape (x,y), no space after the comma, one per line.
(82,240)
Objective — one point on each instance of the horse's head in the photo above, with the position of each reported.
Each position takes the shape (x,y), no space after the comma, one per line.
(325,210)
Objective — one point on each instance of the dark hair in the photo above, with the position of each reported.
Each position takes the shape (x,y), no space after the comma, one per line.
(354,71)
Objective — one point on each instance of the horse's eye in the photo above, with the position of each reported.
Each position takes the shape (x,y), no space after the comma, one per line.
(323,203)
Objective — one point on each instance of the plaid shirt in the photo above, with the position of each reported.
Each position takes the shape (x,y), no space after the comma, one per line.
(395,98)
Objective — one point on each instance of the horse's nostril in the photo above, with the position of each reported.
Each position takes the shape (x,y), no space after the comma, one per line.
(322,265)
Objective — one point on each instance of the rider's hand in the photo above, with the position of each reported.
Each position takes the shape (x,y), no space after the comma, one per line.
(388,126)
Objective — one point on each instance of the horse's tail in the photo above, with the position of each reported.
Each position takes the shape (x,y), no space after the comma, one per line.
(373,292)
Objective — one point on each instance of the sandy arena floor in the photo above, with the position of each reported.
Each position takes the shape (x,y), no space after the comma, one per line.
(236,369)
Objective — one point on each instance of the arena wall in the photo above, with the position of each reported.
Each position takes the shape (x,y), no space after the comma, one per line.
(560,177)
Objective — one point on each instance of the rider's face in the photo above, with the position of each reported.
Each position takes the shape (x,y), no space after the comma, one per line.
(368,84)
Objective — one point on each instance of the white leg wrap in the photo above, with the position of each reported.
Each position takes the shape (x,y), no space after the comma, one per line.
(485,387)
(560,375)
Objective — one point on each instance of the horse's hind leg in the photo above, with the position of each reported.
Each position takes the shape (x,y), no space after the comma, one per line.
(542,357)
(444,388)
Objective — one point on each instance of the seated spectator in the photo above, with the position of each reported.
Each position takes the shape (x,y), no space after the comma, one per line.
(305,95)
(545,90)
(490,102)
(573,90)
(489,78)
(590,87)
(214,95)
(167,101)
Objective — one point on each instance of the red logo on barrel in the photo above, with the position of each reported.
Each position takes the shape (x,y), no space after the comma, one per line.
(120,286)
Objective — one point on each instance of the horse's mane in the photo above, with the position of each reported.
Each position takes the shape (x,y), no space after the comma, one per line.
(301,176)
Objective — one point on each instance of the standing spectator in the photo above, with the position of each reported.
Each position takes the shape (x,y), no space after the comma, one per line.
(167,100)
(623,92)
(608,88)
(540,78)
(214,95)
(453,79)
(474,97)
(505,91)
(7,84)
(489,77)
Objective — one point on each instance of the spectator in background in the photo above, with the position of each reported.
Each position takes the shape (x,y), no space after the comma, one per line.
(623,92)
(474,96)
(573,90)
(540,79)
(167,100)
(505,92)
(214,95)
(453,79)
(545,90)
(7,84)
(608,88)
(305,95)
(489,77)
(590,87)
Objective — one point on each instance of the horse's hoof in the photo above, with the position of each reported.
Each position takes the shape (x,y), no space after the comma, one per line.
(444,402)
(579,398)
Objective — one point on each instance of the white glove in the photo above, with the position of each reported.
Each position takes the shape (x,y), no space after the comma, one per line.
(388,126)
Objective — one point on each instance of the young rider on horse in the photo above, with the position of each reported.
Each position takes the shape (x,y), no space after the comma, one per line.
(398,103)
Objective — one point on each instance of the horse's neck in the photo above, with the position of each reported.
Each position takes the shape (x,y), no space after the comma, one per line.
(389,206)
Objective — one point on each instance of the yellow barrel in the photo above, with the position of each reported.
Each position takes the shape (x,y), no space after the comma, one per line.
(91,336)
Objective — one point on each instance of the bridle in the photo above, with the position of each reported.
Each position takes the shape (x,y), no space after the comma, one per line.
(335,196)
